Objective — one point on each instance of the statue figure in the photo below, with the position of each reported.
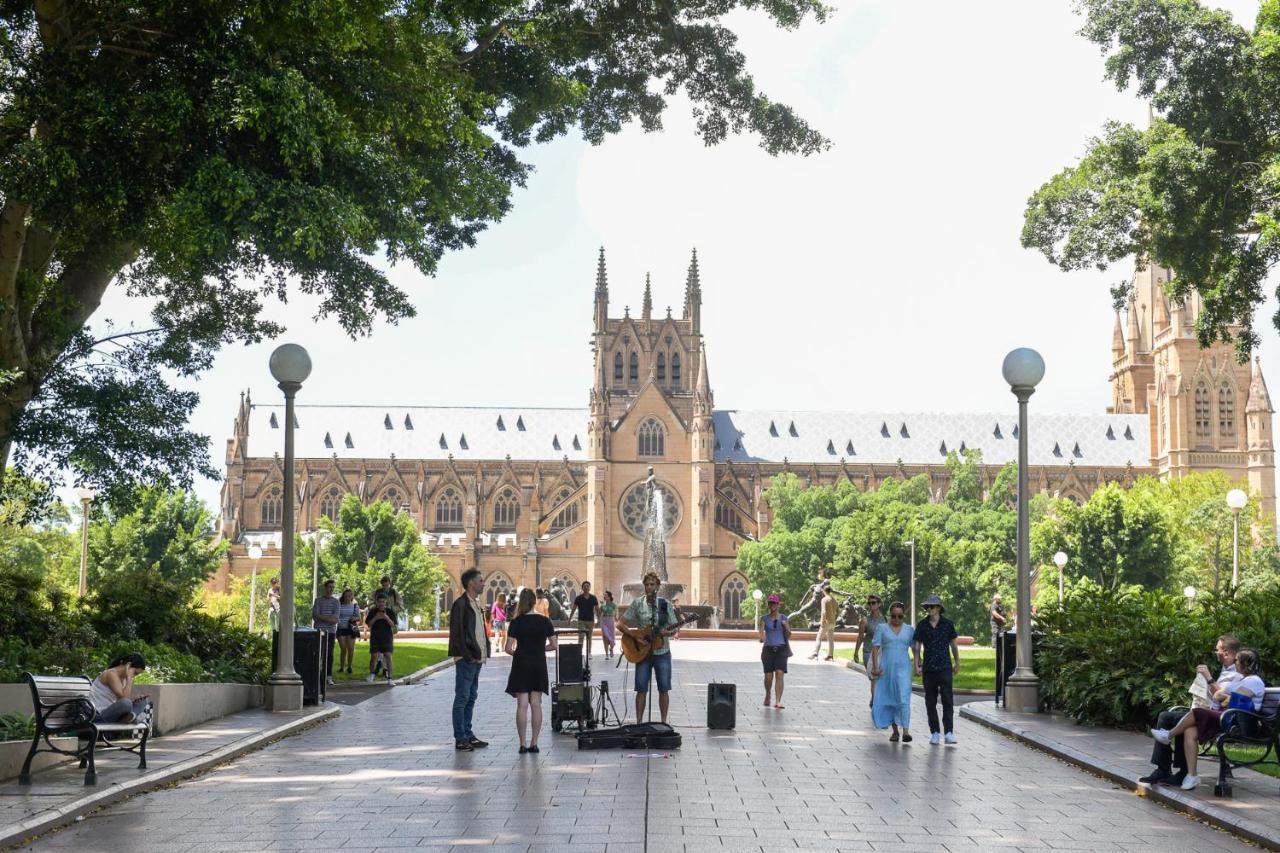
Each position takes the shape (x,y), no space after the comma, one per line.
(558,599)
(808,611)
(655,545)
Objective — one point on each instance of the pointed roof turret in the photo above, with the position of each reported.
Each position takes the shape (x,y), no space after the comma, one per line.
(602,277)
(1134,336)
(1160,310)
(1117,338)
(702,387)
(646,310)
(692,285)
(1259,399)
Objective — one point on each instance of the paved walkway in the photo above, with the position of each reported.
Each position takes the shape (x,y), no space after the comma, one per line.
(814,777)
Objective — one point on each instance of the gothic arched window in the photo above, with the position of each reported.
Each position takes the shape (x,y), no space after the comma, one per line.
(497,584)
(662,368)
(273,507)
(732,593)
(330,502)
(449,509)
(394,497)
(1204,411)
(506,509)
(635,367)
(649,438)
(1227,414)
(617,367)
(568,515)
(727,517)
(675,367)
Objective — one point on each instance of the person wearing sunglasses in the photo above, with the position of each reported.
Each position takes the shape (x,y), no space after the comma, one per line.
(893,660)
(867,626)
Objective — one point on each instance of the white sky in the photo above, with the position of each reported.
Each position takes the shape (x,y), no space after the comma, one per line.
(885,274)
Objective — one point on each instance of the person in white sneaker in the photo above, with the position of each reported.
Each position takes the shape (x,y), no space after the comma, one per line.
(1165,756)
(381,623)
(1246,693)
(939,661)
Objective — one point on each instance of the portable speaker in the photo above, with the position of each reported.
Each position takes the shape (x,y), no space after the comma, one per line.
(569,663)
(722,705)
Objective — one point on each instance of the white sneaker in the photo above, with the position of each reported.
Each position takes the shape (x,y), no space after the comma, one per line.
(369,678)
(329,681)
(951,737)
(935,738)
(1189,783)
(1161,736)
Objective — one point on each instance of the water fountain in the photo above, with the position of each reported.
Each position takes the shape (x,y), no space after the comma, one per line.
(654,553)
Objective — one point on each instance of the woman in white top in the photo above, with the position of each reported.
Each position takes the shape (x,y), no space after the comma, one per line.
(1246,692)
(111,691)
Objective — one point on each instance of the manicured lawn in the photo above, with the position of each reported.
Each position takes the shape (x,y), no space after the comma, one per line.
(408,658)
(977,667)
(1209,769)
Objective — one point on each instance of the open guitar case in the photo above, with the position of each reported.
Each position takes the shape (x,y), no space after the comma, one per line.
(633,736)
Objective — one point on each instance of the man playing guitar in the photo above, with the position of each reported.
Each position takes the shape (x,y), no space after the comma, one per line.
(646,618)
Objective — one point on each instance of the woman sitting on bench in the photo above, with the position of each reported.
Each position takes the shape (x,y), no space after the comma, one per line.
(1245,693)
(111,691)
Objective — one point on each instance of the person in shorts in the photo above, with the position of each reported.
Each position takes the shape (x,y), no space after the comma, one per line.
(775,635)
(381,624)
(348,629)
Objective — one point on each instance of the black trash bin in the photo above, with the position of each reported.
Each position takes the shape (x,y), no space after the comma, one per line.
(308,662)
(1007,658)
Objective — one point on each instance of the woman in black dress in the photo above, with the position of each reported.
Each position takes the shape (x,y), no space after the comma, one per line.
(530,636)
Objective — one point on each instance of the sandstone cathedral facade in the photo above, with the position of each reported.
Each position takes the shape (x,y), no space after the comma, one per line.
(532,495)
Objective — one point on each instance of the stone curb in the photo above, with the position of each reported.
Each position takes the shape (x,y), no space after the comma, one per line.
(16,834)
(919,688)
(420,675)
(1175,798)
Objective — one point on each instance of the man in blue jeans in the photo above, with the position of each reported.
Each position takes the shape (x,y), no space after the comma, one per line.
(469,643)
(651,616)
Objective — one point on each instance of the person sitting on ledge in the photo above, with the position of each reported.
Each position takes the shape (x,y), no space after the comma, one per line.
(1244,693)
(1166,755)
(111,691)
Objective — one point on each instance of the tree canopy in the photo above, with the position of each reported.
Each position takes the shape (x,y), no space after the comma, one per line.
(1198,190)
(211,156)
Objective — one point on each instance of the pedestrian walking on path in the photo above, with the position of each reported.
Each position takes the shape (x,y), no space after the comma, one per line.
(827,611)
(775,635)
(348,629)
(529,637)
(1165,755)
(499,617)
(324,616)
(938,659)
(866,630)
(1245,693)
(609,624)
(585,607)
(891,661)
(382,630)
(469,645)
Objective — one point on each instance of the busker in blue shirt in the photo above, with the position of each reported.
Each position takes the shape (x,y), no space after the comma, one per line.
(938,662)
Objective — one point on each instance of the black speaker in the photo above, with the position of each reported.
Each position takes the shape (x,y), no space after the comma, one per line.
(722,705)
(569,663)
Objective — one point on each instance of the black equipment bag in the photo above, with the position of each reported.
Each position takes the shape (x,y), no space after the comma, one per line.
(602,738)
(651,735)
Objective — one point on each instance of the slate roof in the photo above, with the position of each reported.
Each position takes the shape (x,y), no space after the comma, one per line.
(436,432)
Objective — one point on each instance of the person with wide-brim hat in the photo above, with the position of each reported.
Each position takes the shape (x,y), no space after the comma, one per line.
(937,664)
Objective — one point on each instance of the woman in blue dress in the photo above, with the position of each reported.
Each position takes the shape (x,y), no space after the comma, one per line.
(892,663)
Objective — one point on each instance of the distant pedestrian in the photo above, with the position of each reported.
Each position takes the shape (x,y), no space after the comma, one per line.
(775,635)
(348,629)
(585,606)
(937,660)
(469,645)
(394,604)
(498,618)
(609,624)
(530,635)
(827,611)
(273,605)
(891,662)
(324,616)
(866,630)
(381,622)
(999,620)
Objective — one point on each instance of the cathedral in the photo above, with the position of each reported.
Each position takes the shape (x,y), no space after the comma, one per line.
(534,495)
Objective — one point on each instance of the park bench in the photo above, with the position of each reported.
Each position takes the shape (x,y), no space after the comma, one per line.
(63,708)
(1250,729)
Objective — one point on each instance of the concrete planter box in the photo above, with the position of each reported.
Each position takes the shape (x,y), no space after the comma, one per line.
(177,706)
(14,752)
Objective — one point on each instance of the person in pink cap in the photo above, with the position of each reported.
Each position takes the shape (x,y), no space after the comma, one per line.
(775,634)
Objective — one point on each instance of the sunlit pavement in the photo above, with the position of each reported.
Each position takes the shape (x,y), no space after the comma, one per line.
(815,776)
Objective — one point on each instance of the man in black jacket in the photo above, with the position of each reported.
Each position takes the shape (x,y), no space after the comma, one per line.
(469,643)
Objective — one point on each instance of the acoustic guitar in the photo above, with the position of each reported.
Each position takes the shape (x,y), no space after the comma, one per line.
(650,640)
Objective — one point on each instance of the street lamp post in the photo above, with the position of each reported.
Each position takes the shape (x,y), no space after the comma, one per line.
(255,554)
(912,617)
(317,538)
(756,595)
(438,590)
(1190,593)
(1060,560)
(290,366)
(1236,500)
(1023,369)
(86,496)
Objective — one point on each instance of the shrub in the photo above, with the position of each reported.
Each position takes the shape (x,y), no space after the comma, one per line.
(17,726)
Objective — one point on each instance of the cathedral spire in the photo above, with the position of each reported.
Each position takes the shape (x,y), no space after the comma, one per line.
(703,387)
(693,293)
(1117,339)
(602,294)
(1259,399)
(646,310)
(1134,336)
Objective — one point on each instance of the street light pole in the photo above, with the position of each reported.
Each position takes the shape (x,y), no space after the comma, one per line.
(1236,500)
(756,595)
(912,543)
(318,538)
(290,366)
(86,496)
(1060,559)
(437,622)
(255,554)
(1023,369)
